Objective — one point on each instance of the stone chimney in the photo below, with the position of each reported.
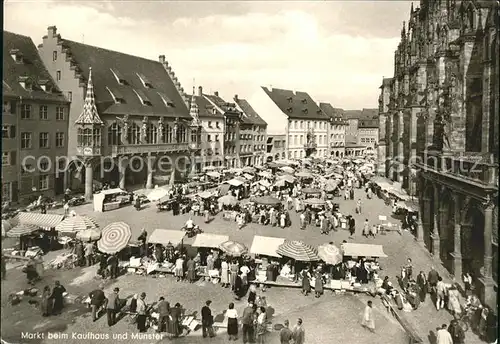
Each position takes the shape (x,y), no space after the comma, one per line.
(235,97)
(161,58)
(216,93)
(52,31)
(200,91)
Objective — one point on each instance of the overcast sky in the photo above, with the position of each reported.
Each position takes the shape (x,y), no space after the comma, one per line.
(337,51)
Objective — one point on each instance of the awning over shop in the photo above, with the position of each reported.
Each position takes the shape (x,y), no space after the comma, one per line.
(37,219)
(234,182)
(209,240)
(165,236)
(21,230)
(111,191)
(213,174)
(266,246)
(363,250)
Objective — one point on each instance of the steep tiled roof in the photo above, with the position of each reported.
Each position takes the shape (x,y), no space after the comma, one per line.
(361,114)
(205,108)
(250,116)
(163,96)
(352,114)
(29,66)
(332,112)
(222,104)
(369,113)
(297,105)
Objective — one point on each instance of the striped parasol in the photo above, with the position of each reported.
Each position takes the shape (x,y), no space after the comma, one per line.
(157,194)
(233,248)
(330,254)
(92,234)
(298,250)
(76,223)
(22,229)
(115,237)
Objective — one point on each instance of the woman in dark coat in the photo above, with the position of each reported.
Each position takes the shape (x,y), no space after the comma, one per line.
(361,273)
(318,284)
(306,284)
(57,296)
(174,326)
(238,286)
(45,302)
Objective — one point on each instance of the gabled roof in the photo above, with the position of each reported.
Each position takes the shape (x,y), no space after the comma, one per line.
(205,108)
(368,123)
(330,111)
(108,66)
(227,107)
(295,105)
(361,114)
(30,66)
(386,82)
(250,116)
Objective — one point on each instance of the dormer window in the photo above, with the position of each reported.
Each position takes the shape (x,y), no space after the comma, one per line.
(119,78)
(305,111)
(214,111)
(16,55)
(26,83)
(166,100)
(143,98)
(304,101)
(117,97)
(289,99)
(144,81)
(290,110)
(44,85)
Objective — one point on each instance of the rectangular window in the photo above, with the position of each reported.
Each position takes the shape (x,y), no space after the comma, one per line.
(54,56)
(26,111)
(210,124)
(58,75)
(209,138)
(5,158)
(44,140)
(217,124)
(59,140)
(216,138)
(6,192)
(43,183)
(70,96)
(8,131)
(43,112)
(59,113)
(44,166)
(26,141)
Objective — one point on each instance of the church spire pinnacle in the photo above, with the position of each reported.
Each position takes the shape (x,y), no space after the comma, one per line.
(194,111)
(89,114)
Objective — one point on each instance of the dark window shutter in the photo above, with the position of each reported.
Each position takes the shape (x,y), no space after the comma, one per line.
(15,192)
(13,106)
(12,132)
(13,158)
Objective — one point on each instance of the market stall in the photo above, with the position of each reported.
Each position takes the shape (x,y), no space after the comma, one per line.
(267,263)
(363,250)
(266,246)
(115,237)
(209,240)
(110,199)
(45,221)
(233,248)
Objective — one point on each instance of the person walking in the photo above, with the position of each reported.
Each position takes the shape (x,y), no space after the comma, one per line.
(112,305)
(366,228)
(432,279)
(443,336)
(163,308)
(440,293)
(358,206)
(286,335)
(422,285)
(368,321)
(352,226)
(58,297)
(299,334)
(318,284)
(97,299)
(306,284)
(45,302)
(141,310)
(261,324)
(207,320)
(302,221)
(224,276)
(456,332)
(191,270)
(247,322)
(232,322)
(89,253)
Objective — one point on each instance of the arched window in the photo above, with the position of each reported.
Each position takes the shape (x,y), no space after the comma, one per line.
(96,137)
(134,134)
(168,133)
(471,18)
(151,134)
(114,135)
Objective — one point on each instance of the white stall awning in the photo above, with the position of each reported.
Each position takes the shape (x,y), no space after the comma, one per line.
(266,246)
(209,240)
(165,236)
(363,250)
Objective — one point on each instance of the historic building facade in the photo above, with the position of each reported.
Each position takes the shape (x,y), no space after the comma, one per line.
(368,134)
(133,128)
(34,124)
(442,123)
(254,131)
(296,115)
(336,130)
(276,147)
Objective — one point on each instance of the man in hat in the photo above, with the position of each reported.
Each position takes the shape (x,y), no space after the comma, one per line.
(112,306)
(207,320)
(97,299)
(142,309)
(286,335)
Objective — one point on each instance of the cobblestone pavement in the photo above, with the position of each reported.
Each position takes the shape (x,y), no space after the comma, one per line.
(340,313)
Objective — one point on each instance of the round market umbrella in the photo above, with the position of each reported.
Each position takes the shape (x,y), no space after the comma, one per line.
(311,191)
(92,234)
(297,250)
(314,201)
(228,200)
(76,223)
(249,169)
(22,229)
(115,237)
(267,200)
(287,178)
(157,194)
(233,248)
(304,175)
(287,169)
(330,254)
